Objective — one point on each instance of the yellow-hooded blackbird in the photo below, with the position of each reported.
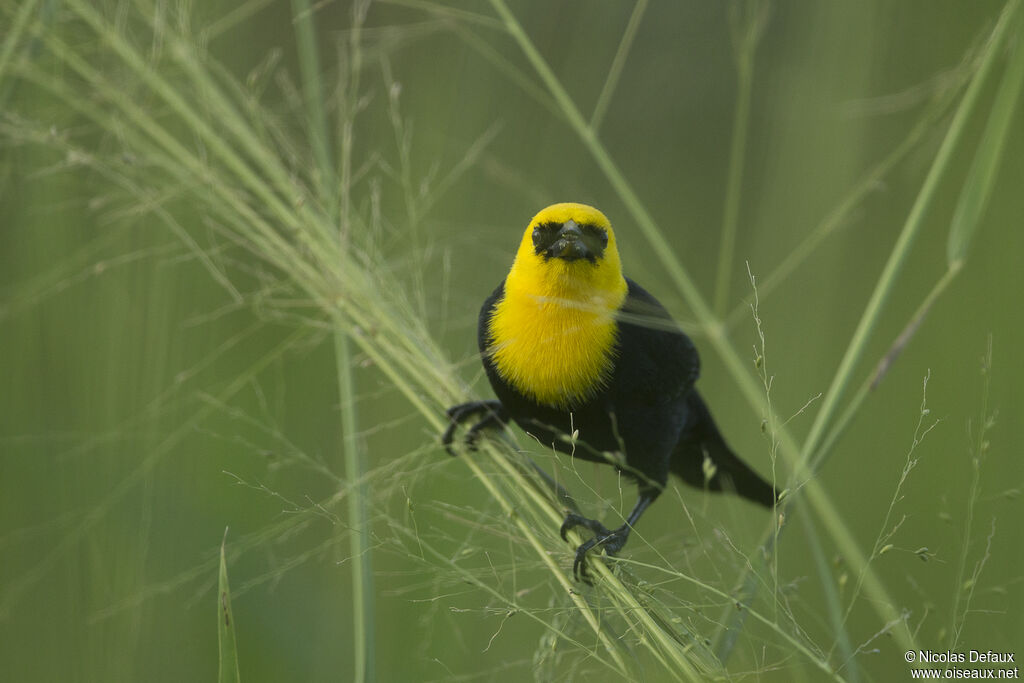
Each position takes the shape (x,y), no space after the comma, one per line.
(572,347)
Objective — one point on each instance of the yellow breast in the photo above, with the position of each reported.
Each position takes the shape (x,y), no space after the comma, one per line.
(555,342)
(553,334)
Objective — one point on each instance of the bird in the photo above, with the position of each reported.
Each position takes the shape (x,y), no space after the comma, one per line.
(588,362)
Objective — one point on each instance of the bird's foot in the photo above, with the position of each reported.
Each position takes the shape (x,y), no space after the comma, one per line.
(494,417)
(610,541)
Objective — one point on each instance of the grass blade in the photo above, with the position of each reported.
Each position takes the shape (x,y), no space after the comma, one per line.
(228,668)
(978,187)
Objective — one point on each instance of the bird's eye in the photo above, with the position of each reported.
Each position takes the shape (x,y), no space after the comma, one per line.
(537,235)
(598,234)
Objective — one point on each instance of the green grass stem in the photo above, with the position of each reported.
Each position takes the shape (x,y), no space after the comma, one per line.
(615,70)
(228,660)
(364,661)
(309,66)
(361,557)
(748,26)
(13,36)
(963,588)
(833,603)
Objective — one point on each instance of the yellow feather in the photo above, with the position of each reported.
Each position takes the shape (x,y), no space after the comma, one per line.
(553,334)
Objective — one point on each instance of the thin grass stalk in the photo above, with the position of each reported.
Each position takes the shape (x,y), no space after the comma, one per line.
(747,33)
(364,659)
(912,326)
(362,567)
(13,37)
(978,449)
(309,67)
(833,604)
(615,70)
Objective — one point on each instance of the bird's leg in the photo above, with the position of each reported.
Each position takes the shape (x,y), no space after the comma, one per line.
(611,541)
(495,416)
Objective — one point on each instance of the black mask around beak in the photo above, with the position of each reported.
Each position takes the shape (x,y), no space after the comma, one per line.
(569,241)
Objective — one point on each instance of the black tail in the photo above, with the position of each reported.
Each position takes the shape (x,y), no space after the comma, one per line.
(701,439)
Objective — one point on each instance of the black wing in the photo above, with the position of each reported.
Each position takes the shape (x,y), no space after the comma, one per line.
(655,368)
(657,362)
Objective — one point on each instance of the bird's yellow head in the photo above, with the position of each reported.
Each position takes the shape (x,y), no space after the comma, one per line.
(568,250)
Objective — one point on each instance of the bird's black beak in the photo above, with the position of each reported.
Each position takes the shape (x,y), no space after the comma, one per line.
(569,241)
(570,244)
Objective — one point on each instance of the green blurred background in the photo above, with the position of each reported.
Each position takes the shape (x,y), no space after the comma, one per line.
(144,410)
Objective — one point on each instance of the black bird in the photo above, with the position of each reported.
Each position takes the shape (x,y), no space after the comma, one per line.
(571,346)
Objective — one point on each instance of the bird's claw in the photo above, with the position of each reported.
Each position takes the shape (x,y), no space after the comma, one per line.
(494,416)
(610,541)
